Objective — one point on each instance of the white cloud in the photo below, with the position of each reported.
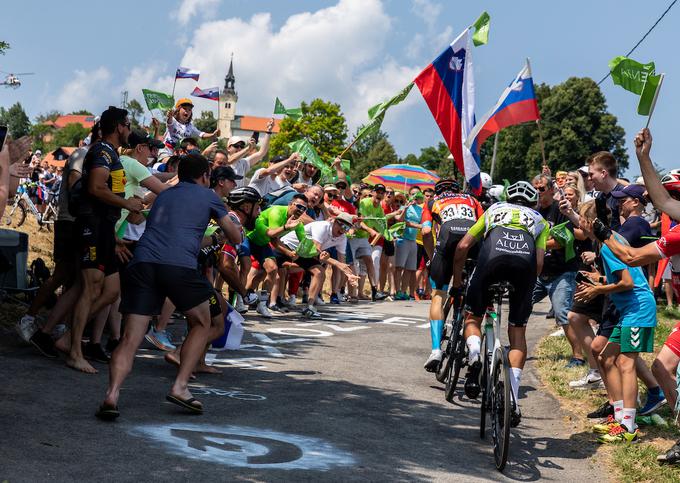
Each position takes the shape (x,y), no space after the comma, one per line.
(427,10)
(189,8)
(85,90)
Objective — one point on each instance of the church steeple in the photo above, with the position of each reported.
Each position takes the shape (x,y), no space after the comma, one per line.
(230,80)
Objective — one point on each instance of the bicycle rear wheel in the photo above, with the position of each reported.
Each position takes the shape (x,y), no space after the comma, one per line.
(484,387)
(446,345)
(16,215)
(501,406)
(457,355)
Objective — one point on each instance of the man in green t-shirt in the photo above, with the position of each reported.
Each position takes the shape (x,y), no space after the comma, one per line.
(366,244)
(270,226)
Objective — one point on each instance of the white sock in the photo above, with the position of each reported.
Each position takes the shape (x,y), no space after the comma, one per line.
(628,419)
(618,410)
(515,378)
(474,345)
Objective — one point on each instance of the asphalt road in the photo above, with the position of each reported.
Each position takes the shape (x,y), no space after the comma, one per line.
(341,399)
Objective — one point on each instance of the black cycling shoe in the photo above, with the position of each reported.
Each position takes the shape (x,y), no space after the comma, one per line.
(44,343)
(602,412)
(515,416)
(95,352)
(671,457)
(472,387)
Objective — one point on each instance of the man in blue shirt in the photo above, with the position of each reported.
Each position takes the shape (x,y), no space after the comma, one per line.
(406,256)
(165,265)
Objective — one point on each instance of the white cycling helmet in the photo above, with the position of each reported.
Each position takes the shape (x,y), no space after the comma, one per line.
(487,182)
(496,191)
(523,192)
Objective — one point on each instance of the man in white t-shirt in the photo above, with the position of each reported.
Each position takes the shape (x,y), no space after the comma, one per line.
(327,236)
(239,148)
(306,173)
(265,180)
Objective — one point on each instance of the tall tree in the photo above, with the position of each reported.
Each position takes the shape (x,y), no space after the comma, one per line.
(207,122)
(365,144)
(575,123)
(136,112)
(4,46)
(16,120)
(322,124)
(381,153)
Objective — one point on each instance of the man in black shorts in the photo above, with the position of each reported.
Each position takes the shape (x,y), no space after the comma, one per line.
(101,191)
(165,265)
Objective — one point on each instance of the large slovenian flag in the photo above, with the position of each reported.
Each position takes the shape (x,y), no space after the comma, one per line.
(212,93)
(516,105)
(448,87)
(186,73)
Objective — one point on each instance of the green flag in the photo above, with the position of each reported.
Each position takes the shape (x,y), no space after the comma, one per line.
(279,108)
(306,248)
(308,152)
(158,100)
(395,231)
(565,238)
(649,94)
(481,25)
(376,114)
(629,74)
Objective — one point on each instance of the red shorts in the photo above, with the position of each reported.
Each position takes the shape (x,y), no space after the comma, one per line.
(673,341)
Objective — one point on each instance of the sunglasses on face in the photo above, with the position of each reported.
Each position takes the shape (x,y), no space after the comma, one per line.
(331,197)
(300,207)
(345,228)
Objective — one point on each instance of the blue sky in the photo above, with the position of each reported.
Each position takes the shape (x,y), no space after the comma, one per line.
(355,52)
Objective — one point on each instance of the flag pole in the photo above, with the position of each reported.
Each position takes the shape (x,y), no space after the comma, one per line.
(173,86)
(493,157)
(348,147)
(656,95)
(540,138)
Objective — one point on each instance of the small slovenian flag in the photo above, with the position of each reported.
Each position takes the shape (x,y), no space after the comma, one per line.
(212,93)
(186,73)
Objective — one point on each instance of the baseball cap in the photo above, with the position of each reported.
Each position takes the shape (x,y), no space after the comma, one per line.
(330,187)
(345,218)
(583,169)
(224,172)
(37,151)
(632,190)
(341,185)
(140,137)
(235,140)
(379,187)
(182,101)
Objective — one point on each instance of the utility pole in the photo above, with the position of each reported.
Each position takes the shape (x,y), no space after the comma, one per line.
(124,99)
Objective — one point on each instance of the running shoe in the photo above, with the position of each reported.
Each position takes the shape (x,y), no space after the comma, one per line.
(278,308)
(240,307)
(160,339)
(433,361)
(653,403)
(263,310)
(604,426)
(251,299)
(311,313)
(335,300)
(319,300)
(26,327)
(44,343)
(602,412)
(377,295)
(592,380)
(472,387)
(575,362)
(619,434)
(558,333)
(291,302)
(94,352)
(670,457)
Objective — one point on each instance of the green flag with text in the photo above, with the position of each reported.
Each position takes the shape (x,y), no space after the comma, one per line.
(648,96)
(158,100)
(481,25)
(629,74)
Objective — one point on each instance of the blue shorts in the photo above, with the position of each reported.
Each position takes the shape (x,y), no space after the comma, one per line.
(261,253)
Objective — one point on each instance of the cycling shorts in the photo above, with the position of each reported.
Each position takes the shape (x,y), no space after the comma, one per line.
(506,255)
(441,266)
(97,243)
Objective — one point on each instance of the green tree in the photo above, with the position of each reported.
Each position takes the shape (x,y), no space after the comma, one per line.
(48,116)
(362,147)
(322,124)
(410,159)
(16,120)
(4,46)
(381,153)
(433,157)
(575,123)
(70,135)
(41,132)
(207,122)
(136,112)
(82,112)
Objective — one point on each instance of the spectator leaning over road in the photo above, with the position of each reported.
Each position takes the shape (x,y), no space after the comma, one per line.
(164,265)
(102,196)
(242,154)
(266,180)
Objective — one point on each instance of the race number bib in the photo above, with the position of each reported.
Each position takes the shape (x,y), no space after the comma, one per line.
(457,212)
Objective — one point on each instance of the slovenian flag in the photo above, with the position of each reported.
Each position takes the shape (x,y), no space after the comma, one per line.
(448,87)
(516,105)
(212,93)
(186,73)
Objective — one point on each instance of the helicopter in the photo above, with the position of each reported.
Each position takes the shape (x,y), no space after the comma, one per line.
(12,80)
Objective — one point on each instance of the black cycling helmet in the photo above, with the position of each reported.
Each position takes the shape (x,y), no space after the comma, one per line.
(446,184)
(242,195)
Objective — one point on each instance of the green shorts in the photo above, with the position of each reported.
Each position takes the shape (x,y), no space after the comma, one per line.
(633,339)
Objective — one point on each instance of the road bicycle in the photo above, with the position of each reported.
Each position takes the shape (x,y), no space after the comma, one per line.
(15,214)
(497,398)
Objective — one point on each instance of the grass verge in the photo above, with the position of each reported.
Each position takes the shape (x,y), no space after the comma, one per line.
(626,462)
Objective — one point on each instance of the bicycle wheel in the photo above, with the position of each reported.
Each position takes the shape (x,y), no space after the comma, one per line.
(446,346)
(484,387)
(501,405)
(16,215)
(457,345)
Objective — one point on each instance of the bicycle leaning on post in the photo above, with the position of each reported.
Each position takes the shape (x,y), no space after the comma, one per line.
(15,215)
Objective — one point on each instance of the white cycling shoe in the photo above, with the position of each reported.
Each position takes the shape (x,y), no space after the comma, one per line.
(433,361)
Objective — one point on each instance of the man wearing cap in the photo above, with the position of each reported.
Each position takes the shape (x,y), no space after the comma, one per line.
(632,203)
(326,236)
(239,149)
(179,125)
(223,180)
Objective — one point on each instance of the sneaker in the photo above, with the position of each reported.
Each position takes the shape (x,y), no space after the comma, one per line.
(592,380)
(575,362)
(472,387)
(278,308)
(604,426)
(619,434)
(240,307)
(94,352)
(251,300)
(111,345)
(653,403)
(311,313)
(26,327)
(263,310)
(291,302)
(390,298)
(319,300)
(515,416)
(159,339)
(433,361)
(558,333)
(44,343)
(335,300)
(377,295)
(602,412)
(671,457)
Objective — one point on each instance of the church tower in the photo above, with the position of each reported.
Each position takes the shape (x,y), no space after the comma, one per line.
(228,99)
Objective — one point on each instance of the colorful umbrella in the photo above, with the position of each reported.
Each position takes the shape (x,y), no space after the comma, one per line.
(401,177)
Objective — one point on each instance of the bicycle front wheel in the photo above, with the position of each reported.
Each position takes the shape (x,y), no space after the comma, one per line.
(483,384)
(16,215)
(501,406)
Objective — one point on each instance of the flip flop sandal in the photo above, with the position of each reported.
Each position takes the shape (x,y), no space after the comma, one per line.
(107,412)
(186,403)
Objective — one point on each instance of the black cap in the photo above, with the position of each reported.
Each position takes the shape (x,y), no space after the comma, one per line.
(223,172)
(141,137)
(379,187)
